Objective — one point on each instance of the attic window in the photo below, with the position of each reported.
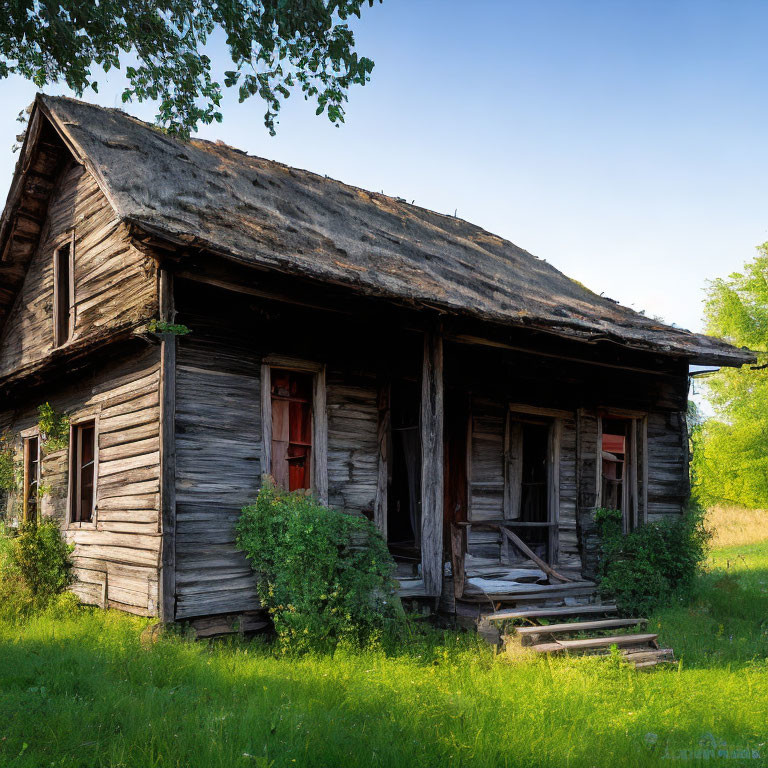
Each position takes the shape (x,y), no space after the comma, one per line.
(63,294)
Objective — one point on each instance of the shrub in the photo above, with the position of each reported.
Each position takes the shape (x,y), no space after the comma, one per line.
(35,567)
(324,576)
(652,565)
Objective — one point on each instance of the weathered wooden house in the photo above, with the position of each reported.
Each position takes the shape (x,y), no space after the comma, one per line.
(405,365)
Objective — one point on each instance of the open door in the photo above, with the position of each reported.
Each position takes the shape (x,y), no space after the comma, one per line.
(404,492)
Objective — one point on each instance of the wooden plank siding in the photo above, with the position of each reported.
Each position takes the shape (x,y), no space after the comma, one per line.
(117,556)
(218,471)
(668,483)
(353,441)
(114,282)
(219,443)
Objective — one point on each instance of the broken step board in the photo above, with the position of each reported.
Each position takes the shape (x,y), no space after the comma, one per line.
(519,591)
(591,643)
(545,613)
(644,658)
(578,626)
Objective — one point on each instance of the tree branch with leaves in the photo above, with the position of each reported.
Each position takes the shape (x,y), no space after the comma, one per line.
(275,47)
(730,459)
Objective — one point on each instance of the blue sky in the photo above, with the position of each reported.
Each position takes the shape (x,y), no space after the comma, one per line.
(624,142)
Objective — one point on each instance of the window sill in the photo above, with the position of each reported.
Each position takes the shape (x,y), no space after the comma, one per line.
(82,526)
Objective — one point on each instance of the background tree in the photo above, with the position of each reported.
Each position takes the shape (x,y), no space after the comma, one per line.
(730,462)
(274,46)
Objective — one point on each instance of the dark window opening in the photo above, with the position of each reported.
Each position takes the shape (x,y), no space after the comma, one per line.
(614,456)
(31,477)
(291,429)
(63,294)
(83,471)
(404,493)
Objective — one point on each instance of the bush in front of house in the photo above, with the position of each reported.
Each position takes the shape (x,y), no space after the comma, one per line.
(652,565)
(35,568)
(324,576)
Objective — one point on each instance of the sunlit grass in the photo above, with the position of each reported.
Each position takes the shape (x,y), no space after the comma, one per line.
(733,526)
(83,691)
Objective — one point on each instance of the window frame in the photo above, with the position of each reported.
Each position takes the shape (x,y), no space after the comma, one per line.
(634,489)
(319,453)
(27,438)
(57,298)
(75,426)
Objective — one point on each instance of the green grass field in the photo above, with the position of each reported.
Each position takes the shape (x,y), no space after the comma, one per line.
(80,690)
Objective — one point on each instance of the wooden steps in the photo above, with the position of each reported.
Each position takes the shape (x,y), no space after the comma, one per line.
(640,649)
(578,626)
(544,613)
(595,642)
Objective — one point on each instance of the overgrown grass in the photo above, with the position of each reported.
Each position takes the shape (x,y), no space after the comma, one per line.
(80,689)
(733,526)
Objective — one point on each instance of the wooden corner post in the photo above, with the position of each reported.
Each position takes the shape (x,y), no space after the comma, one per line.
(167,453)
(432,470)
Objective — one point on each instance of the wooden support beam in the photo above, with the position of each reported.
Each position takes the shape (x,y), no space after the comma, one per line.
(432,470)
(526,550)
(644,468)
(634,494)
(167,452)
(383,396)
(553,489)
(319,437)
(458,551)
(266,419)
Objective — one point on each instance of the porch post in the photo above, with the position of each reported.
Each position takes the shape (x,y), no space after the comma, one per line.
(167,607)
(431,422)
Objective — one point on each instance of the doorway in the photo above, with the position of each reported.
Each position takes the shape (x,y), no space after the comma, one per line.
(404,492)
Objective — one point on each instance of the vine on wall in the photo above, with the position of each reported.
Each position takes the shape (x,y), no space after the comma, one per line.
(54,428)
(8,473)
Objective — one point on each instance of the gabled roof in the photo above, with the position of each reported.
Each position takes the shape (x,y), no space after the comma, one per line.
(266,214)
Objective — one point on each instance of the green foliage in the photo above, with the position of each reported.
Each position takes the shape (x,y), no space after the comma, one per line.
(730,460)
(325,576)
(53,427)
(35,567)
(8,474)
(274,46)
(160,327)
(652,565)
